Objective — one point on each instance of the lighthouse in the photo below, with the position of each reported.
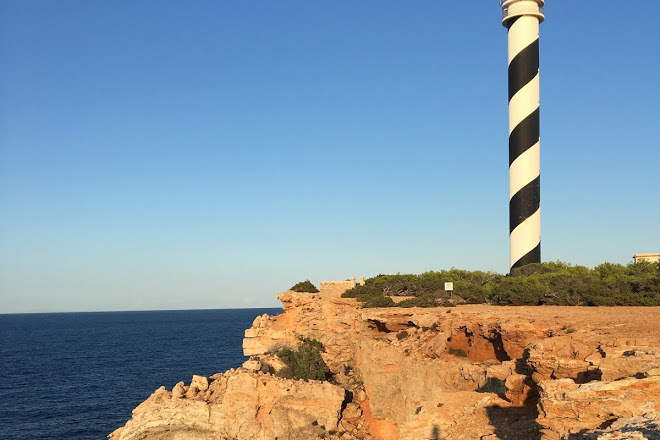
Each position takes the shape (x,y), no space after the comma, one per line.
(522,19)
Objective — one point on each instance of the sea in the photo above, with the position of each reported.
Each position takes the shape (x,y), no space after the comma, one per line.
(77,376)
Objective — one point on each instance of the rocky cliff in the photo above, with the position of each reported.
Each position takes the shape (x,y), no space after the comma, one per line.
(467,372)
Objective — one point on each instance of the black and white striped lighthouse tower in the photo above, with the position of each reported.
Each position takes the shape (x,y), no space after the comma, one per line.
(522,19)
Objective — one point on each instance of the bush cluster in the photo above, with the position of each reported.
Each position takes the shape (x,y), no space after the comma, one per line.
(553,283)
(426,299)
(458,352)
(304,363)
(305,286)
(369,296)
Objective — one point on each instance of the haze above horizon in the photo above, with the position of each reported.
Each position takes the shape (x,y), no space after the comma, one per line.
(186,155)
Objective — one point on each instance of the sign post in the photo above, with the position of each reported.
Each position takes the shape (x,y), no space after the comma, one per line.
(449,287)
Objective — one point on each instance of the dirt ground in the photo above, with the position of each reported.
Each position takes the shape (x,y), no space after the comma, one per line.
(621,322)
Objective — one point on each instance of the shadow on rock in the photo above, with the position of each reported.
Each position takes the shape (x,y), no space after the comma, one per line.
(647,429)
(495,386)
(515,423)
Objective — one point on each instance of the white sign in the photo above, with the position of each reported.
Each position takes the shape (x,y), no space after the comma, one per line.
(449,287)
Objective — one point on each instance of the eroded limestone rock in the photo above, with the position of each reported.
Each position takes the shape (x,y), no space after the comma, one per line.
(239,405)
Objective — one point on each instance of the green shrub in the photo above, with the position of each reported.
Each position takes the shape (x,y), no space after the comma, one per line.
(305,286)
(286,373)
(313,343)
(369,296)
(376,301)
(362,291)
(552,283)
(472,293)
(425,300)
(518,291)
(458,352)
(304,363)
(469,285)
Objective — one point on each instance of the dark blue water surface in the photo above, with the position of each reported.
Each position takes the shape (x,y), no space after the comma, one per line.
(79,375)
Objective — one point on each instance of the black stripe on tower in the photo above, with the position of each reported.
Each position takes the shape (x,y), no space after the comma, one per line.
(525,135)
(510,22)
(533,256)
(523,67)
(524,203)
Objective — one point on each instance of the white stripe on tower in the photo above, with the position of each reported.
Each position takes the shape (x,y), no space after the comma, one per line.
(522,19)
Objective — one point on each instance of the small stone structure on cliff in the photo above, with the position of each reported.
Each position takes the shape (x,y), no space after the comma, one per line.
(647,258)
(336,288)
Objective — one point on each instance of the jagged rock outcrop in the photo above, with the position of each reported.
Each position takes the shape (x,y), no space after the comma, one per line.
(238,405)
(567,407)
(628,428)
(467,372)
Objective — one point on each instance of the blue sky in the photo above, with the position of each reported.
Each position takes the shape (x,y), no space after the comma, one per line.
(200,154)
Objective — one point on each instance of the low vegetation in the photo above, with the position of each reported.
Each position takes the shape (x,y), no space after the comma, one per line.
(554,283)
(305,362)
(369,296)
(402,335)
(458,352)
(305,286)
